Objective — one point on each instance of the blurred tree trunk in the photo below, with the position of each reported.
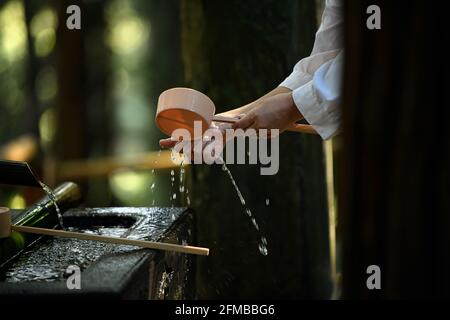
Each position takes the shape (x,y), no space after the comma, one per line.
(396,153)
(32,105)
(70,140)
(235,51)
(98,110)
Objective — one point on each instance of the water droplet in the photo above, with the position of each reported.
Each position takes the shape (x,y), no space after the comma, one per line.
(267,202)
(263,249)
(255,224)
(174,196)
(181,188)
(264,240)
(238,191)
(188,201)
(152,186)
(249,213)
(172,173)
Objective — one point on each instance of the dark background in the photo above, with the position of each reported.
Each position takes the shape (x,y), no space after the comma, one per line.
(79,105)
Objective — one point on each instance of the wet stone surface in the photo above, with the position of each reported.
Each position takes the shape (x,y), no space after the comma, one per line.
(48,259)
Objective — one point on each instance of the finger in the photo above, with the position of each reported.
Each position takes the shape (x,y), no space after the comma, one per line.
(181,146)
(167,143)
(252,131)
(245,122)
(224,126)
(262,133)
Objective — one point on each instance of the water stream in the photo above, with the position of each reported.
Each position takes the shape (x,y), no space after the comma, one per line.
(262,245)
(52,197)
(173,195)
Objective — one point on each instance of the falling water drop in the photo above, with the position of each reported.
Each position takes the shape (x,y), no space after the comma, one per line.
(263,249)
(181,186)
(224,168)
(267,202)
(255,224)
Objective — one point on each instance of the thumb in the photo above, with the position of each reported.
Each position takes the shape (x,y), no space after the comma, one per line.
(245,122)
(167,143)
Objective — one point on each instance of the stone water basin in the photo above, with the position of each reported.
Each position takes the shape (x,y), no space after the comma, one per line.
(107,270)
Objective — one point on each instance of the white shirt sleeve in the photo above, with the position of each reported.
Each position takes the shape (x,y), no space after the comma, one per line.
(328,43)
(319,99)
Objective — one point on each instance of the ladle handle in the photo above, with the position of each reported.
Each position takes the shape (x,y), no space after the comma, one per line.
(115,240)
(224,119)
(303,128)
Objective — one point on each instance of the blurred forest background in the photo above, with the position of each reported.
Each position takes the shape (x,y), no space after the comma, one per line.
(79,105)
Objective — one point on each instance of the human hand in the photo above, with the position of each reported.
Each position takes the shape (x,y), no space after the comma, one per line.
(276,112)
(170,142)
(167,143)
(208,149)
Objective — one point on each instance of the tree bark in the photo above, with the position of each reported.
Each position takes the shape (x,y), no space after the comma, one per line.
(236,51)
(70,141)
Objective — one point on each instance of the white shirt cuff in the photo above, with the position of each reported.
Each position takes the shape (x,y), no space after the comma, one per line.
(322,117)
(296,79)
